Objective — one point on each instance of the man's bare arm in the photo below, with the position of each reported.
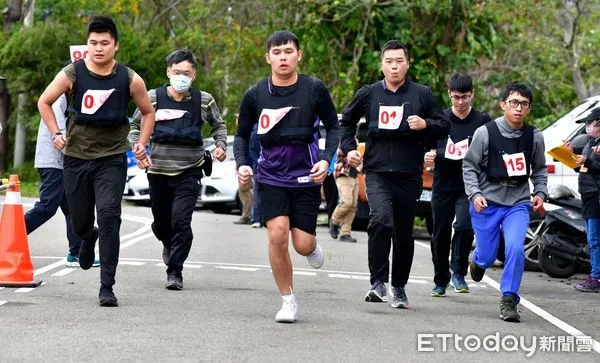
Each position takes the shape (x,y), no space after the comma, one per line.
(60,85)
(142,101)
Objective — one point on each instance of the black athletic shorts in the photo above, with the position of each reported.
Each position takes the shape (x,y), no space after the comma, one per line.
(300,204)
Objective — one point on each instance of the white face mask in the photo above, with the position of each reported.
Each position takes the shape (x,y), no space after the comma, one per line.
(592,129)
(180,82)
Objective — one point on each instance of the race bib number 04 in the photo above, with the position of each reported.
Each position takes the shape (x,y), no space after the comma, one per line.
(93,99)
(390,117)
(456,151)
(270,117)
(78,52)
(515,164)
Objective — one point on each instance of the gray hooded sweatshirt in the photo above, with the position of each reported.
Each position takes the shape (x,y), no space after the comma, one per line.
(475,178)
(46,156)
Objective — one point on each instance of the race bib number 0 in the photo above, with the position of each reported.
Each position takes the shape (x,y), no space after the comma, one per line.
(515,164)
(456,151)
(390,117)
(93,99)
(270,117)
(78,52)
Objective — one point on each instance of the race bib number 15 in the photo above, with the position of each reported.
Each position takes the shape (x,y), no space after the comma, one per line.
(456,151)
(390,117)
(93,99)
(515,164)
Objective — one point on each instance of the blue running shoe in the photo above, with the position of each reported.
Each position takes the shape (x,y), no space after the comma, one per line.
(438,291)
(459,284)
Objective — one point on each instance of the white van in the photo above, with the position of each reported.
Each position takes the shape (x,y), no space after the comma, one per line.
(566,129)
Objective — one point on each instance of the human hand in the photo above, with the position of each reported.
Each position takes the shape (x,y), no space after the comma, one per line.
(416,123)
(318,173)
(480,204)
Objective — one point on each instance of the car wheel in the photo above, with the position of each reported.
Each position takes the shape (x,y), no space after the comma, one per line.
(554,265)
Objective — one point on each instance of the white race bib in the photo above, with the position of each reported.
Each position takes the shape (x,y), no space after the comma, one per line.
(390,117)
(78,52)
(93,99)
(166,114)
(515,164)
(270,117)
(456,151)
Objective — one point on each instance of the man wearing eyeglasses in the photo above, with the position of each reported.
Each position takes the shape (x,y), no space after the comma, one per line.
(449,198)
(504,155)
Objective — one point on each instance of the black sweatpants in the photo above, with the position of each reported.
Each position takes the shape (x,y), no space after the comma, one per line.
(332,194)
(173,200)
(393,203)
(445,205)
(97,183)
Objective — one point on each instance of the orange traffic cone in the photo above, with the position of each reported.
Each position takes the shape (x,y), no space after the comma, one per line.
(16,269)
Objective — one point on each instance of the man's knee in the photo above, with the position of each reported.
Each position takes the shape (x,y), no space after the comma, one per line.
(278,233)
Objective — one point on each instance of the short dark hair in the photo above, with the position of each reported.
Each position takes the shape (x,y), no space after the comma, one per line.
(282,37)
(519,88)
(394,44)
(103,24)
(181,55)
(460,82)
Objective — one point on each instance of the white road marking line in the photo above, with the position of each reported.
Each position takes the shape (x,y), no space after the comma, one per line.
(47,268)
(185,265)
(25,289)
(132,263)
(569,329)
(160,265)
(417,281)
(348,276)
(3,302)
(135,240)
(131,236)
(63,272)
(252,269)
(305,273)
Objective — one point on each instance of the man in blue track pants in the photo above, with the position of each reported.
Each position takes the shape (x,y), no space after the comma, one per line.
(504,155)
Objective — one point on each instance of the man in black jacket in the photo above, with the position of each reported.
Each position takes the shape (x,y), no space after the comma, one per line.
(402,118)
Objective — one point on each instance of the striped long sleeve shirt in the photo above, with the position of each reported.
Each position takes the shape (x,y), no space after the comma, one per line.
(172,159)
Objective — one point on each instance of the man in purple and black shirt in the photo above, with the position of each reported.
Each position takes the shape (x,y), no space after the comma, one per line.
(287,107)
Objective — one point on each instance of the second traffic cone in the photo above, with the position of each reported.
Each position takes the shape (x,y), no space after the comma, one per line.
(16,269)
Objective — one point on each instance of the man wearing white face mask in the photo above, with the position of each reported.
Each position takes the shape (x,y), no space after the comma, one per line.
(177,157)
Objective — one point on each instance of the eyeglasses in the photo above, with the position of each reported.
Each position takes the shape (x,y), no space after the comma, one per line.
(464,98)
(515,104)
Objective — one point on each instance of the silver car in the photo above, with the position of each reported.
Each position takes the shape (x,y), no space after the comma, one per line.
(220,191)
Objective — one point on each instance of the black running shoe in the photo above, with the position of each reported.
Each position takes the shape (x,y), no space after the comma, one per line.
(86,251)
(508,309)
(399,299)
(174,282)
(378,293)
(107,297)
(476,271)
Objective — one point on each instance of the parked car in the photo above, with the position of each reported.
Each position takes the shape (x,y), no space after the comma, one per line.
(566,129)
(220,191)
(136,184)
(137,188)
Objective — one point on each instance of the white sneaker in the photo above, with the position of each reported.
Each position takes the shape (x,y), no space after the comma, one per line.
(316,257)
(289,310)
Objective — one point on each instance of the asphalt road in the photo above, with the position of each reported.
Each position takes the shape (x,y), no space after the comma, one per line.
(226,310)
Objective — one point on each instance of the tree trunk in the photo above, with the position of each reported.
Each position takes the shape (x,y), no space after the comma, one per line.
(4,102)
(23,100)
(12,14)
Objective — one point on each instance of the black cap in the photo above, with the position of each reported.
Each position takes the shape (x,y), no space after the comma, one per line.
(594,115)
